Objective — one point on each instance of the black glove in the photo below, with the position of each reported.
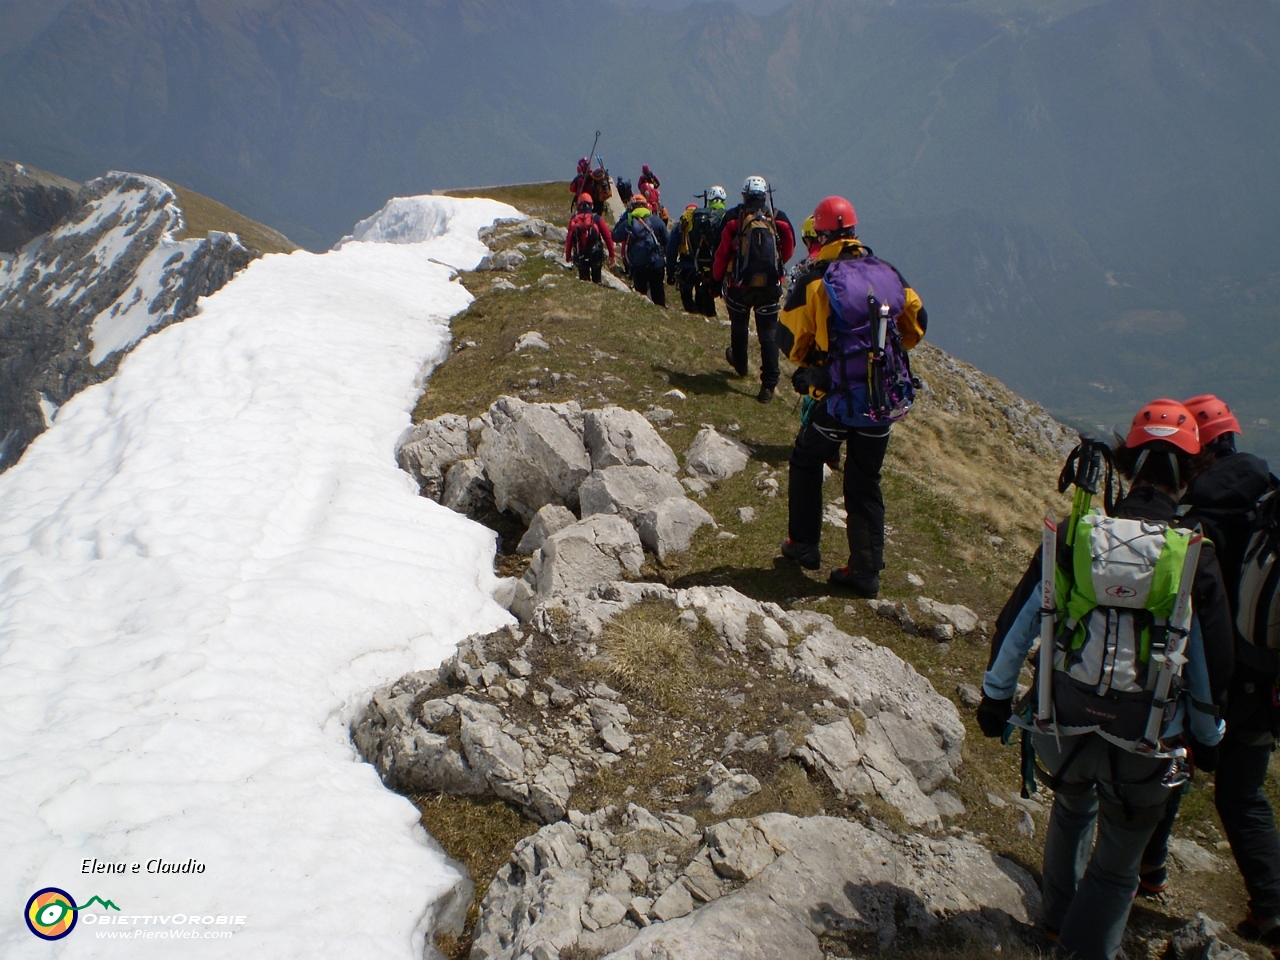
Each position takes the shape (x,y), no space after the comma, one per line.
(993,715)
(1203,757)
(806,377)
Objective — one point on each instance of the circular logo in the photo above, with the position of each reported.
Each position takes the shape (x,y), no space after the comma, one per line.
(1121,593)
(51,913)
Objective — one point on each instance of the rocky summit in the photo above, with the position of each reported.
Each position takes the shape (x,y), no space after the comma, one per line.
(84,276)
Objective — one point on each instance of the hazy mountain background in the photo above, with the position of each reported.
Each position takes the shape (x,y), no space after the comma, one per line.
(1084,191)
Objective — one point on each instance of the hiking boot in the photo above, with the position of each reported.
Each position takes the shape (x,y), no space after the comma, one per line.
(728,357)
(765,395)
(1152,881)
(862,584)
(1265,930)
(808,555)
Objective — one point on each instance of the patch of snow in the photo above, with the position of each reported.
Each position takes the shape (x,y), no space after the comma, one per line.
(419,219)
(207,562)
(48,409)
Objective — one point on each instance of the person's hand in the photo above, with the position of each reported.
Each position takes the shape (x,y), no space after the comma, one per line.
(1203,756)
(993,715)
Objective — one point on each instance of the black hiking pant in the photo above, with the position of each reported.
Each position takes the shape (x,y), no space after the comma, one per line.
(1246,818)
(740,302)
(650,282)
(590,265)
(817,444)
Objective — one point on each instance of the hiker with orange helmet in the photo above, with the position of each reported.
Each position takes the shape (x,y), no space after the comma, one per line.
(1111,776)
(587,240)
(1224,498)
(827,329)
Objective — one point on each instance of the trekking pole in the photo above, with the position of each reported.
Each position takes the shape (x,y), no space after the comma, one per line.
(1048,620)
(594,143)
(1172,655)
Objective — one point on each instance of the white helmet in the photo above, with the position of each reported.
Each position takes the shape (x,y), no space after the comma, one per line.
(755,187)
(717,193)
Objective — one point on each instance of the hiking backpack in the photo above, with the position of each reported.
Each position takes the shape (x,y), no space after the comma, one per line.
(871,382)
(703,236)
(1124,613)
(1258,600)
(758,263)
(643,248)
(585,232)
(625,192)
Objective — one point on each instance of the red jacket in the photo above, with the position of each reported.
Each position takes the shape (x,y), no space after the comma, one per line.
(729,237)
(604,233)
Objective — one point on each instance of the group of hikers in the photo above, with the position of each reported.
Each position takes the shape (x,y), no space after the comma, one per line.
(1155,634)
(1158,629)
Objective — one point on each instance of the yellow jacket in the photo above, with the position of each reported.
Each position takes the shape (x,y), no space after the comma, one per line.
(804,317)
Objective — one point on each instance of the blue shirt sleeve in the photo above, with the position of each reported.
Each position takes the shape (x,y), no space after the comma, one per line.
(1206,728)
(1001,681)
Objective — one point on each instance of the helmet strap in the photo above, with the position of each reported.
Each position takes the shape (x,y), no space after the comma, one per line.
(1173,465)
(1140,463)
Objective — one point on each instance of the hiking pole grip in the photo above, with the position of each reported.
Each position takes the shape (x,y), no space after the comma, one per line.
(1048,619)
(1175,656)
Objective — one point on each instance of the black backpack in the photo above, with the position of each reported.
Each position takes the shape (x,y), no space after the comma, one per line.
(758,263)
(1258,597)
(704,236)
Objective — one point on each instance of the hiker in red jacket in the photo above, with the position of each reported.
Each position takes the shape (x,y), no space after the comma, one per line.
(587,241)
(592,182)
(755,244)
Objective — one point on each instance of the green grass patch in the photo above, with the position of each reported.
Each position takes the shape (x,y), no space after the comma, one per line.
(203,216)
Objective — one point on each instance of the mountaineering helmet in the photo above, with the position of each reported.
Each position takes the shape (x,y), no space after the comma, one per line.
(691,206)
(756,187)
(832,214)
(716,193)
(807,233)
(584,165)
(1212,416)
(644,168)
(1167,421)
(585,199)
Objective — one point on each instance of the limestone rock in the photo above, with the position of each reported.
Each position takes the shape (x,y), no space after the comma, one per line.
(592,551)
(430,448)
(713,456)
(822,876)
(533,454)
(669,526)
(624,438)
(674,903)
(466,488)
(550,519)
(1192,857)
(722,788)
(531,340)
(1200,939)
(627,491)
(960,617)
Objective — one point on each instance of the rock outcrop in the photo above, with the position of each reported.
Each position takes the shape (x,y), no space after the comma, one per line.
(32,202)
(533,454)
(758,889)
(74,300)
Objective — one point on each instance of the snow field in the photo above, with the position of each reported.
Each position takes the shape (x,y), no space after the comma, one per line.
(204,564)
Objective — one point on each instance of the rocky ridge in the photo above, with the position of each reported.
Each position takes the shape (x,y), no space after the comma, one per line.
(75,299)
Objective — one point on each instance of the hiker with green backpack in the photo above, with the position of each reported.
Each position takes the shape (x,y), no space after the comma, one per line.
(1234,499)
(692,249)
(644,238)
(1135,657)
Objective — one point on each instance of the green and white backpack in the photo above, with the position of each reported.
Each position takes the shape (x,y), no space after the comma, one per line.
(1123,613)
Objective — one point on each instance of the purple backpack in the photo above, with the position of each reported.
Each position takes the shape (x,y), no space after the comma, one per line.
(871,382)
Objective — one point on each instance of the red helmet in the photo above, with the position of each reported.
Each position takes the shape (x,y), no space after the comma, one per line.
(587,199)
(832,214)
(644,168)
(1213,417)
(584,165)
(691,206)
(1166,420)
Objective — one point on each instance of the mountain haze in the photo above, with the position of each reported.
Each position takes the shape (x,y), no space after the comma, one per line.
(1083,190)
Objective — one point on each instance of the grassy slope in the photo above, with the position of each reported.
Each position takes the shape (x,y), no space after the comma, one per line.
(204,216)
(956,476)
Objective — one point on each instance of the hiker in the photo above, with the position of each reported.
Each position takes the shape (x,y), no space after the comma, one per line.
(1227,499)
(647,176)
(691,252)
(593,182)
(834,332)
(652,199)
(1102,697)
(644,236)
(587,241)
(755,243)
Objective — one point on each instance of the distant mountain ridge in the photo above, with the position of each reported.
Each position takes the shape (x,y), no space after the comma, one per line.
(1060,178)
